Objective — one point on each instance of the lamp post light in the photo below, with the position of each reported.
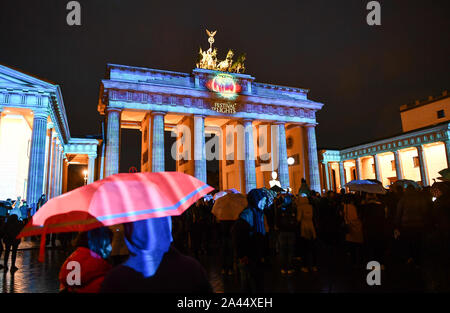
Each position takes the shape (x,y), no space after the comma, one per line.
(290,161)
(85,173)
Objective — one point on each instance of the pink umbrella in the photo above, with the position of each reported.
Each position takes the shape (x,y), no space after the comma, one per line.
(117,199)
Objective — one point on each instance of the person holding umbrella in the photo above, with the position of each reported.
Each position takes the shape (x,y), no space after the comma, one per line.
(144,203)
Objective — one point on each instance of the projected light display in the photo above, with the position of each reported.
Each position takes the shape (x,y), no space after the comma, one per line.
(224,85)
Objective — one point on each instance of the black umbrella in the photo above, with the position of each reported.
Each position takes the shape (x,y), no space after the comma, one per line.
(277,188)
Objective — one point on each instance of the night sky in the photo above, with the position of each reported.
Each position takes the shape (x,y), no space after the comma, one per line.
(361,73)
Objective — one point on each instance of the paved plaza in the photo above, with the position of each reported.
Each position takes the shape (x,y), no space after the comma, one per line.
(335,275)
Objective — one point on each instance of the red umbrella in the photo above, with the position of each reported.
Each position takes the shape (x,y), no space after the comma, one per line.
(117,199)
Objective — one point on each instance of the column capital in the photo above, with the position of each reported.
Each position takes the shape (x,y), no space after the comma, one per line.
(50,125)
(279,123)
(200,115)
(112,109)
(247,120)
(92,156)
(154,113)
(310,125)
(40,113)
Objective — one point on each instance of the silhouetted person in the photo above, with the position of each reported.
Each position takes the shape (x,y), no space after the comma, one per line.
(412,220)
(248,240)
(286,222)
(12,228)
(374,228)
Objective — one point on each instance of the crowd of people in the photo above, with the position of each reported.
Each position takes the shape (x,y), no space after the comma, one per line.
(277,229)
(404,226)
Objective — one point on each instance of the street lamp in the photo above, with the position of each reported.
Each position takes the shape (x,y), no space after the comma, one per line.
(85,172)
(291,161)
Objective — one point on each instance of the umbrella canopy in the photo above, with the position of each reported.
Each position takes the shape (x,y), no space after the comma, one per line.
(277,188)
(220,194)
(228,207)
(440,188)
(445,175)
(368,186)
(271,195)
(404,183)
(117,199)
(232,190)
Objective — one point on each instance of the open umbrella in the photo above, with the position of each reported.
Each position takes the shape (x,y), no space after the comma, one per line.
(220,194)
(404,183)
(117,199)
(277,188)
(271,195)
(228,207)
(445,175)
(368,186)
(232,190)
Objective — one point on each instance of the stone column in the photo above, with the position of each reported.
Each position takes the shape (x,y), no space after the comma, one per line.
(249,158)
(49,159)
(358,168)
(199,148)
(376,164)
(65,175)
(423,166)
(112,142)
(283,166)
(58,171)
(1,111)
(61,166)
(102,162)
(37,157)
(314,175)
(327,176)
(52,176)
(342,174)
(447,149)
(158,142)
(91,168)
(398,165)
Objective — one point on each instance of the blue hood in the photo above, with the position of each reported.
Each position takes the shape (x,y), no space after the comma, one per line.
(147,241)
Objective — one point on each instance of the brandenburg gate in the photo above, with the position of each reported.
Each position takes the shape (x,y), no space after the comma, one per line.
(215,112)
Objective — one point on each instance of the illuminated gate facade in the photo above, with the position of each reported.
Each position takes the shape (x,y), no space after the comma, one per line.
(258,126)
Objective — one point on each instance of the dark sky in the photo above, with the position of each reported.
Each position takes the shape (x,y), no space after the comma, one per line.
(362,74)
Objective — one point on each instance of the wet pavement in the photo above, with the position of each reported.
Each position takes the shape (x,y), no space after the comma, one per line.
(334,275)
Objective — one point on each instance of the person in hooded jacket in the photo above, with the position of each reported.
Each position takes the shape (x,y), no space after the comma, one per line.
(248,240)
(94,247)
(12,228)
(154,265)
